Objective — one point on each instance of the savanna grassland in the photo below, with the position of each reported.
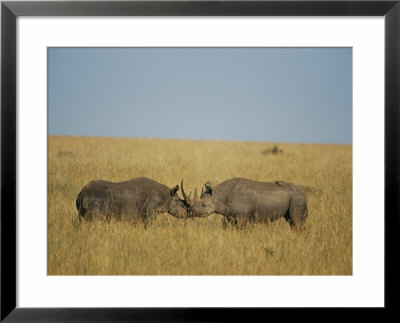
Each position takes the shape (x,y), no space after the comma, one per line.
(199,246)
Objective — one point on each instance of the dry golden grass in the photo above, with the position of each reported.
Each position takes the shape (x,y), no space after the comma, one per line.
(199,246)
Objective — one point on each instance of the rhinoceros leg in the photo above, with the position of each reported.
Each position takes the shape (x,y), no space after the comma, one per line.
(242,220)
(91,209)
(297,211)
(148,216)
(228,220)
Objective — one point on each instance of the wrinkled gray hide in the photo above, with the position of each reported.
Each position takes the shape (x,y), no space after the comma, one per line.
(137,199)
(242,200)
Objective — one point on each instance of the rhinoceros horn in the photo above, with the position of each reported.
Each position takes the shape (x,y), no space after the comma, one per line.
(196,197)
(186,198)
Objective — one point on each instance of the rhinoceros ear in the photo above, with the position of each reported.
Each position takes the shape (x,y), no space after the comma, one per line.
(208,188)
(174,190)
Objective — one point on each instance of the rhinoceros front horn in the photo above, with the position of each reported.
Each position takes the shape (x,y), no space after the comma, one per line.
(196,197)
(186,198)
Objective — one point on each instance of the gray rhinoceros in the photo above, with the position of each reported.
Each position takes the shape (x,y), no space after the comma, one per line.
(242,200)
(138,199)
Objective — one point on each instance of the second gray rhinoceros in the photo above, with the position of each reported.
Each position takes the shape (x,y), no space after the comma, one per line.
(242,200)
(139,198)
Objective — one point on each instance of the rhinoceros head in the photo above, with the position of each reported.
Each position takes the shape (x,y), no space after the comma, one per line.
(178,207)
(205,205)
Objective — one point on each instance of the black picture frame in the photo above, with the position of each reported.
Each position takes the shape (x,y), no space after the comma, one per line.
(10,10)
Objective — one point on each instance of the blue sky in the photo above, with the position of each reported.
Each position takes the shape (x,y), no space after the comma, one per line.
(244,94)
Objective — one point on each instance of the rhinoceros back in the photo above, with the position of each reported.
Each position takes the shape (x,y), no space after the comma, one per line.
(120,198)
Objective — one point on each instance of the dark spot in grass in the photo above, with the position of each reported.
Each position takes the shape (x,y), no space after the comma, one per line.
(269,251)
(275,150)
(65,153)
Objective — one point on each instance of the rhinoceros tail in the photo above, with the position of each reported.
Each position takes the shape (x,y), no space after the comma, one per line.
(78,201)
(79,206)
